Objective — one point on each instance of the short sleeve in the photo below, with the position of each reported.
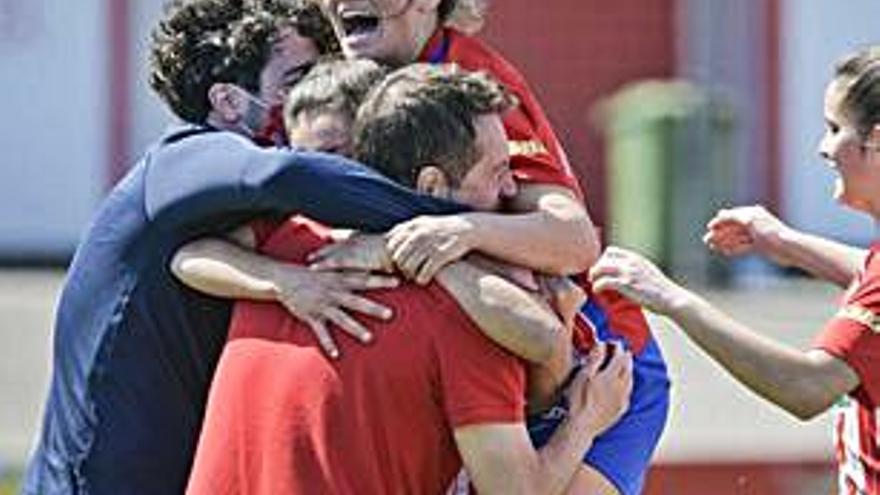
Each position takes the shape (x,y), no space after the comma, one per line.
(533,159)
(853,334)
(480,382)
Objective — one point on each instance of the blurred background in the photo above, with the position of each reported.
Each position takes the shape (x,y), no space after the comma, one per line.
(669,109)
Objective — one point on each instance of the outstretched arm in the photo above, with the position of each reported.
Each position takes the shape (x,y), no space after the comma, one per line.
(803,383)
(738,231)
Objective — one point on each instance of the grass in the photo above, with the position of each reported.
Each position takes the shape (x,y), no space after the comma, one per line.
(9,482)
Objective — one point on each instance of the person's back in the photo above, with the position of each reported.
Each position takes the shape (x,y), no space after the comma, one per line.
(282,418)
(132,369)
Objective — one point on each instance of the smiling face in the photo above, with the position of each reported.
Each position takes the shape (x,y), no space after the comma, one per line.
(855,158)
(389,31)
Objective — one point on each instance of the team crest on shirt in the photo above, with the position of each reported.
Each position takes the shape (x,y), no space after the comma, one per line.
(526,148)
(860,314)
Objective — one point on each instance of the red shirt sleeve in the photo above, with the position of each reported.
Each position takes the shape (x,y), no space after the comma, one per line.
(853,334)
(479,381)
(263,228)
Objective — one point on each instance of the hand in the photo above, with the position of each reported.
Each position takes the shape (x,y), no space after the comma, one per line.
(320,297)
(599,397)
(422,246)
(360,252)
(638,279)
(739,231)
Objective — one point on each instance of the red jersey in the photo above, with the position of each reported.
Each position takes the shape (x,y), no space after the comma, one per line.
(536,153)
(853,335)
(283,419)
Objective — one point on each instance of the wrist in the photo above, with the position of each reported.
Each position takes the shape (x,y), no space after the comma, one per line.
(780,244)
(475,225)
(278,276)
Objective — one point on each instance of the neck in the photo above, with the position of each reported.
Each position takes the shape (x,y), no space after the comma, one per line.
(423,33)
(216,122)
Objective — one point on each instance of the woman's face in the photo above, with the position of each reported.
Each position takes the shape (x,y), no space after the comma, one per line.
(856,162)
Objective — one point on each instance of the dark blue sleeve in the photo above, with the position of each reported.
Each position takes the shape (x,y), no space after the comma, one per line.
(206,178)
(339,192)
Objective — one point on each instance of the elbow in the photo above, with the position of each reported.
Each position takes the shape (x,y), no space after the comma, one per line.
(808,401)
(805,413)
(178,264)
(583,249)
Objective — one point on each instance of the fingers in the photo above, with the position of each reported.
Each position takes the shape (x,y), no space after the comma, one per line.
(363,305)
(319,329)
(365,281)
(349,325)
(430,267)
(323,253)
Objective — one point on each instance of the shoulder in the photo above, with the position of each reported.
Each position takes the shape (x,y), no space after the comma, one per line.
(473,54)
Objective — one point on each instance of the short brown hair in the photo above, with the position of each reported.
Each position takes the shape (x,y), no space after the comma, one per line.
(860,72)
(333,84)
(199,43)
(424,114)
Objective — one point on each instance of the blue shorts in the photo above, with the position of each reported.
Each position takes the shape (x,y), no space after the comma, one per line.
(623,453)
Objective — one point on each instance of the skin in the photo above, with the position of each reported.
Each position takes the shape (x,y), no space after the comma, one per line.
(550,231)
(492,452)
(235,109)
(322,130)
(804,383)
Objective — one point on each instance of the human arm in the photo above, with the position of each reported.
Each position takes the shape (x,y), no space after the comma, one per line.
(228,269)
(802,383)
(534,325)
(547,229)
(213,182)
(742,230)
(501,459)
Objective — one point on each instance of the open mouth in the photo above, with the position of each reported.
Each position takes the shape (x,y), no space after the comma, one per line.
(359,23)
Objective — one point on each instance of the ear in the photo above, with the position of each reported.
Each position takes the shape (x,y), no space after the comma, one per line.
(227,101)
(873,141)
(433,182)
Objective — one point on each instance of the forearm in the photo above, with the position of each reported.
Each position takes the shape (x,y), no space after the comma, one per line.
(224,269)
(778,373)
(543,241)
(823,258)
(558,461)
(507,314)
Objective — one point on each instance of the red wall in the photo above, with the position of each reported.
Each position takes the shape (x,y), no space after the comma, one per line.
(574,52)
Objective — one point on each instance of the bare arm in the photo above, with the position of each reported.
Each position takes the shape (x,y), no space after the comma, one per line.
(748,229)
(227,269)
(520,321)
(803,383)
(501,460)
(548,230)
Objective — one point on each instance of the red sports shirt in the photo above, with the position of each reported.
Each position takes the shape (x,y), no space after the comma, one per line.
(283,419)
(536,153)
(853,335)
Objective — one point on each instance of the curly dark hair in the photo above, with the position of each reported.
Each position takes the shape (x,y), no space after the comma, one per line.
(424,114)
(202,42)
